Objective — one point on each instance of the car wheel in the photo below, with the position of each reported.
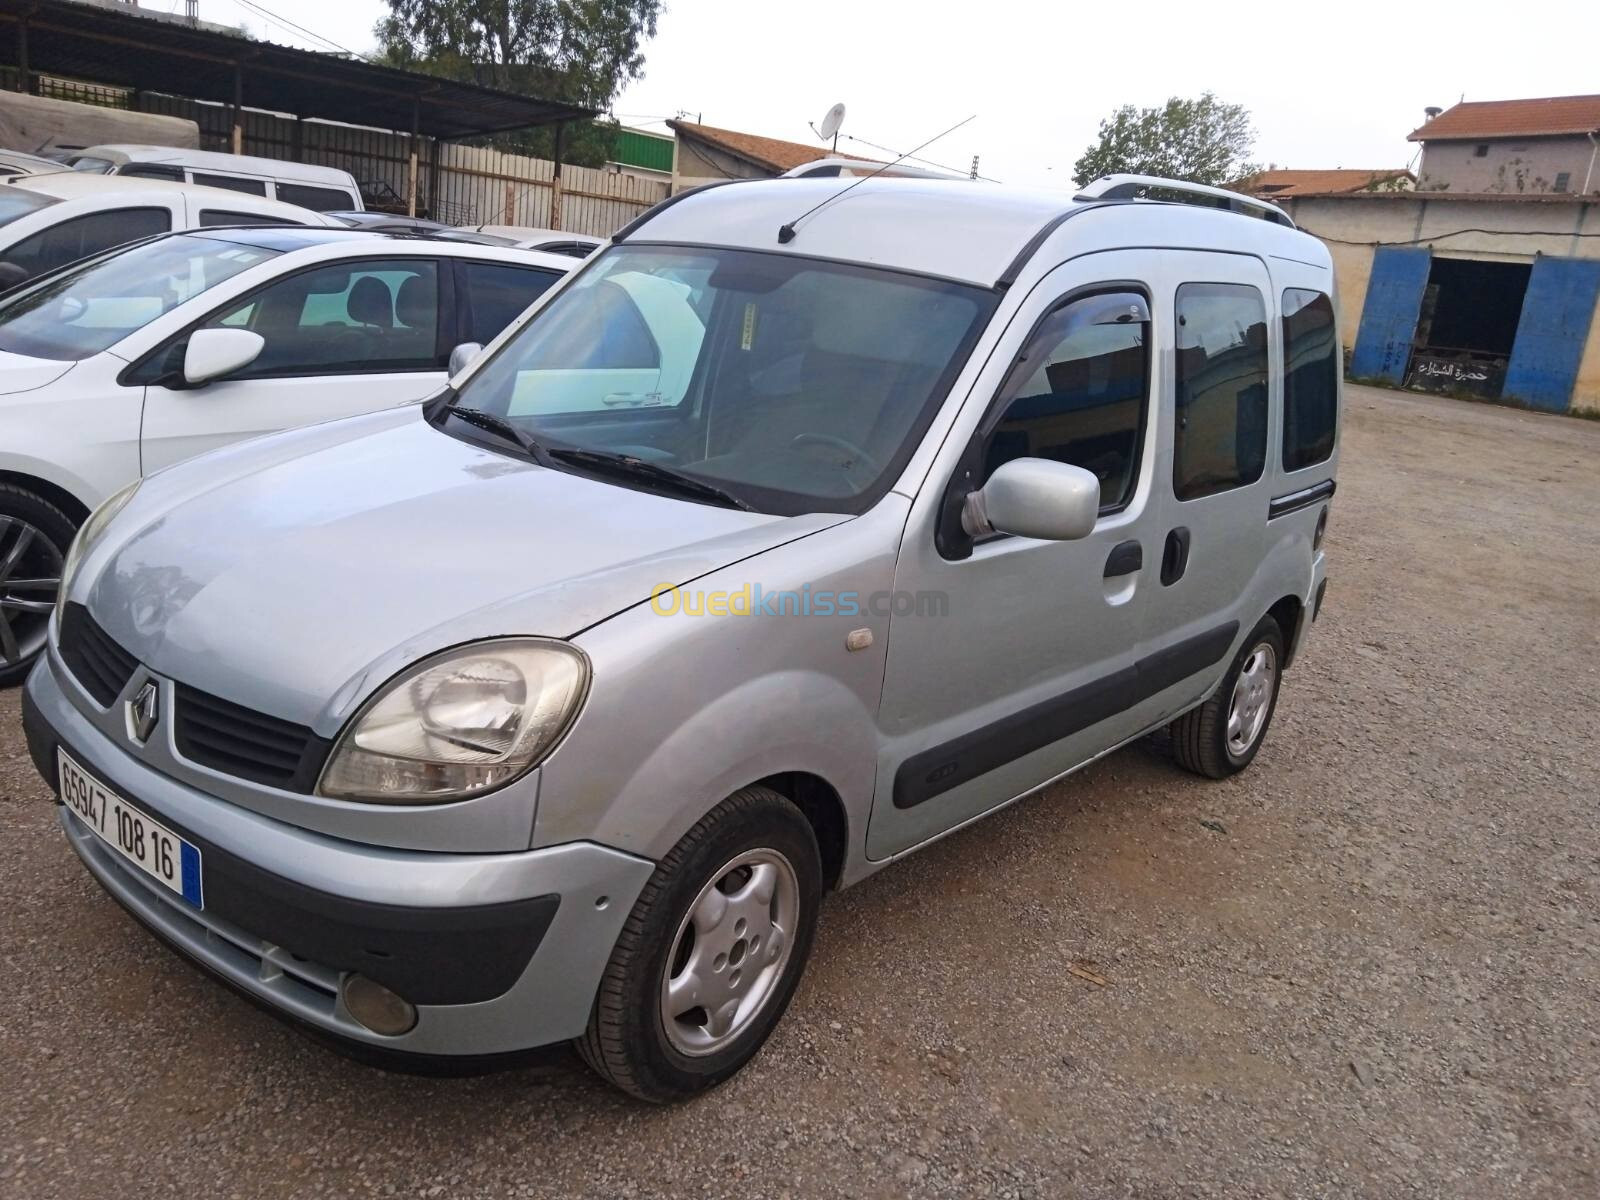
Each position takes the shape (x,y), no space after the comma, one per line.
(1221,736)
(711,954)
(34,536)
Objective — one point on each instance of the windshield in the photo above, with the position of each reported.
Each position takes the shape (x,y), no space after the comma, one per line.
(793,384)
(19,202)
(94,305)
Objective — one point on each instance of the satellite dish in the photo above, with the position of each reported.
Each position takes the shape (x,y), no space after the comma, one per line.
(830,123)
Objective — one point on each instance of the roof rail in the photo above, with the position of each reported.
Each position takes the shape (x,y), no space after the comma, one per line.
(835,166)
(1134,187)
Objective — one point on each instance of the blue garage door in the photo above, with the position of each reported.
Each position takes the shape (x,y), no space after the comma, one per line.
(1389,319)
(1557,314)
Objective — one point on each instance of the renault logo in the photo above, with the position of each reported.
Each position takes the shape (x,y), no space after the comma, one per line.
(144,710)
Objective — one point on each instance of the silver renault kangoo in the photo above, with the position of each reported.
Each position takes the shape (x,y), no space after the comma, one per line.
(810,520)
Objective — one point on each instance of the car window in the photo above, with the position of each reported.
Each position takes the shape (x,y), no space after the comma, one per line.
(1310,378)
(497,293)
(87,308)
(319,199)
(569,249)
(90,165)
(233,183)
(345,318)
(1079,393)
(153,171)
(80,237)
(1220,431)
(213,217)
(16,202)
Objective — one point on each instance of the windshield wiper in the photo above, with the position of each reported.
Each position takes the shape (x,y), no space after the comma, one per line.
(503,428)
(629,467)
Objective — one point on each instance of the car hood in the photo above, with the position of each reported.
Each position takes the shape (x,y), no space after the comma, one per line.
(22,373)
(295,574)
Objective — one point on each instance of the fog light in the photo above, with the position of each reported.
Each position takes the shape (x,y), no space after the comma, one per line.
(376,1007)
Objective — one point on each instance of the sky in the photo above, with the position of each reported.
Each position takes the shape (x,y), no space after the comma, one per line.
(1330,85)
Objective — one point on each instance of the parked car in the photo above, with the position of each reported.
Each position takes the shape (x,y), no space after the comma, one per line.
(141,358)
(321,189)
(524,716)
(16,162)
(382,222)
(48,221)
(551,241)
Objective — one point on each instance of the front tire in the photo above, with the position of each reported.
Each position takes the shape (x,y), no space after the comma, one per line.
(711,954)
(34,536)
(1222,736)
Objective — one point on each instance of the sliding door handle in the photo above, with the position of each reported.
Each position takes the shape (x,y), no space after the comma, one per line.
(1125,559)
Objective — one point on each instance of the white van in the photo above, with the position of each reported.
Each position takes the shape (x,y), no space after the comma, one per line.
(323,189)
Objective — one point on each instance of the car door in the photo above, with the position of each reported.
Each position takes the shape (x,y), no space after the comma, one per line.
(1020,660)
(339,339)
(1213,492)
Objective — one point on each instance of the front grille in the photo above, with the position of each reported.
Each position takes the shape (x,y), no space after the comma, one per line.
(95,660)
(235,740)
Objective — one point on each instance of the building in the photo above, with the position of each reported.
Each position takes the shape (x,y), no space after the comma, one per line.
(642,154)
(1279,183)
(1512,147)
(706,153)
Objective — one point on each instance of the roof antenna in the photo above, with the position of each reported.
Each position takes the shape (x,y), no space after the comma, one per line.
(786,232)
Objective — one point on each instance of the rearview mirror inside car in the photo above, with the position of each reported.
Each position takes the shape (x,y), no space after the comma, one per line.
(213,353)
(1034,498)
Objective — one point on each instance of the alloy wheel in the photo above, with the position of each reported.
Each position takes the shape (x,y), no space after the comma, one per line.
(30,576)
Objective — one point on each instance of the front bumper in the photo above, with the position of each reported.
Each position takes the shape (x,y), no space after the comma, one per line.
(499,952)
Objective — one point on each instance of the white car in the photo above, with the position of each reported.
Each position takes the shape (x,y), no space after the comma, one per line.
(48,221)
(551,241)
(116,367)
(323,189)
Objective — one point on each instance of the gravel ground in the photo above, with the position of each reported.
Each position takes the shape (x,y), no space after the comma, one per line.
(1368,967)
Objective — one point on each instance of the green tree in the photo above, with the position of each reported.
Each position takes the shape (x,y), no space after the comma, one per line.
(580,51)
(1199,141)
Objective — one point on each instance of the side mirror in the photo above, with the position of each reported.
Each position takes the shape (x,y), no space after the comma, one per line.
(213,353)
(461,357)
(1034,498)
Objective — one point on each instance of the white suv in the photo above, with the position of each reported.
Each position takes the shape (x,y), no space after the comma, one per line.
(129,362)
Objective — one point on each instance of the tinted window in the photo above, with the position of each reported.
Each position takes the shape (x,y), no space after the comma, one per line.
(19,202)
(318,198)
(345,318)
(1078,393)
(87,308)
(79,237)
(569,249)
(1310,378)
(153,171)
(210,217)
(496,294)
(234,183)
(1220,434)
(91,165)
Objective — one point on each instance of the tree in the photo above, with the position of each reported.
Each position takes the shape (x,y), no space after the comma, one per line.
(580,51)
(1199,141)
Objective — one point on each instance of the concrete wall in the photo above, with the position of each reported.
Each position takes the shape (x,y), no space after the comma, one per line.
(695,163)
(1353,226)
(1510,168)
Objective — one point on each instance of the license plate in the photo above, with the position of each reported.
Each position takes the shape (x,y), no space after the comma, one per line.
(131,832)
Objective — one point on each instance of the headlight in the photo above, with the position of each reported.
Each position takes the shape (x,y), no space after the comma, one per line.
(459,723)
(87,537)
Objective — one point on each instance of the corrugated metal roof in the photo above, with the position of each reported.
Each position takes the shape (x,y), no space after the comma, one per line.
(1276,183)
(1548,116)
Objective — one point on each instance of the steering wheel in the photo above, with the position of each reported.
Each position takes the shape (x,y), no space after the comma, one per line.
(861,457)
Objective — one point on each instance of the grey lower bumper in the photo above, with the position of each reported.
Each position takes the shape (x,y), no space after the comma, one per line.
(548,1001)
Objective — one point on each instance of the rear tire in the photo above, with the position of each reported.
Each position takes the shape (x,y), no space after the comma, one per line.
(727,918)
(1222,736)
(34,536)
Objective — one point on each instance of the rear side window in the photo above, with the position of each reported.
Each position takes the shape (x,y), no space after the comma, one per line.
(1220,431)
(153,171)
(319,199)
(212,217)
(79,237)
(1078,393)
(1310,378)
(497,293)
(234,183)
(348,318)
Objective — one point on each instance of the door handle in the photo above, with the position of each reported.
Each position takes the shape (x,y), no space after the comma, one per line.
(1175,556)
(1124,559)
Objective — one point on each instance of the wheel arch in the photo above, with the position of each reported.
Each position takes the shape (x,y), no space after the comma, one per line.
(54,494)
(822,805)
(1287,613)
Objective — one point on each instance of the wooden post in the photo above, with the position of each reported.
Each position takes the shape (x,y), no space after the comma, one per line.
(433,182)
(238,109)
(24,75)
(555,181)
(511,204)
(411,174)
(297,140)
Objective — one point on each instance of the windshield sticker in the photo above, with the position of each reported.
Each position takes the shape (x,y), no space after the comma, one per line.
(748,337)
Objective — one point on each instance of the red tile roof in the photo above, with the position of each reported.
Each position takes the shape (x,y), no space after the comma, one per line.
(777,156)
(1269,185)
(1547,117)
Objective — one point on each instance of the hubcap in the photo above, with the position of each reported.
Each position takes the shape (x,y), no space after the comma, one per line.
(730,952)
(30,575)
(1252,699)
